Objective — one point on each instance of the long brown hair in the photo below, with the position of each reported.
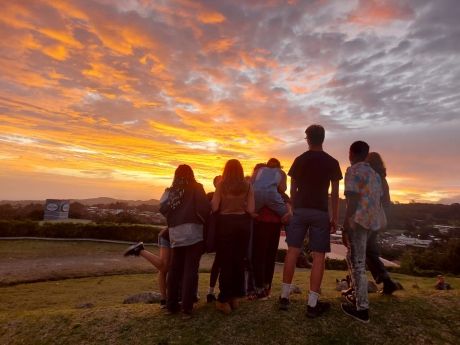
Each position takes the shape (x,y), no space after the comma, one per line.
(233,181)
(183,179)
(376,162)
(184,175)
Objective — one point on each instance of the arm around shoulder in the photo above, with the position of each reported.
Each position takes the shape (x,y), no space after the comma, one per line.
(282,186)
(164,205)
(215,202)
(250,201)
(203,207)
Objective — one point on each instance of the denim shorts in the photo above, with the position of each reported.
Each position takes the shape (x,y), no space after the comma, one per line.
(163,242)
(314,222)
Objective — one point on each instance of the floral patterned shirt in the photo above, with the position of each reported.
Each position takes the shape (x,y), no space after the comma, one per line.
(362,179)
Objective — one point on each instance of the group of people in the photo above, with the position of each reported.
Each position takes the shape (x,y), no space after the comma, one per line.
(250,213)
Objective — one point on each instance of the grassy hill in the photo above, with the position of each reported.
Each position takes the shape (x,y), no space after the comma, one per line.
(49,312)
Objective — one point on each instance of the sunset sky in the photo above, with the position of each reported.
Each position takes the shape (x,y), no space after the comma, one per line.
(107,97)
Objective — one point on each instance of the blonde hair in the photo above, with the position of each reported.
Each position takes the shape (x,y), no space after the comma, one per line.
(375,161)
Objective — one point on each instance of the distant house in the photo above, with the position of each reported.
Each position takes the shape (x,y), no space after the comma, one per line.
(412,241)
(447,229)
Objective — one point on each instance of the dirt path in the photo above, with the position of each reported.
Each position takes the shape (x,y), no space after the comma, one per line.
(28,261)
(32,270)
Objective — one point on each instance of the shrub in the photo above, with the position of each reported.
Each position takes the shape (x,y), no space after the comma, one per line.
(18,228)
(120,232)
(337,265)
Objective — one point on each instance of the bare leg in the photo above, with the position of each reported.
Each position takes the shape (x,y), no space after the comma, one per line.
(165,256)
(317,271)
(162,264)
(289,264)
(155,260)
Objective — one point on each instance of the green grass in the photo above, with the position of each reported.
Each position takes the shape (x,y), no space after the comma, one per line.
(34,249)
(48,313)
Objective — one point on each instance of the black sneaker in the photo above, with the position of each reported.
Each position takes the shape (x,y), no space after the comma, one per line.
(135,249)
(389,287)
(360,315)
(172,308)
(320,308)
(210,297)
(283,303)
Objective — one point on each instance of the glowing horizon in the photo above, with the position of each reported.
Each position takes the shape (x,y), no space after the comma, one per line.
(106,98)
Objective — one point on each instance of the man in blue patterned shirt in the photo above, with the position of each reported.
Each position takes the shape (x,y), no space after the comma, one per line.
(363,190)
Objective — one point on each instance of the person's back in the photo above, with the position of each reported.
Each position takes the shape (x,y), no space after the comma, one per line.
(233,203)
(360,178)
(268,183)
(313,172)
(234,199)
(363,191)
(267,179)
(193,206)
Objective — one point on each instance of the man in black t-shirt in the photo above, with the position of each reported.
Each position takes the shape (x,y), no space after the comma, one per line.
(311,175)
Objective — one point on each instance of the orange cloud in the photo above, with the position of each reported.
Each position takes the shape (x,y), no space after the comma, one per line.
(258,58)
(211,17)
(61,36)
(57,52)
(123,93)
(378,12)
(16,15)
(220,46)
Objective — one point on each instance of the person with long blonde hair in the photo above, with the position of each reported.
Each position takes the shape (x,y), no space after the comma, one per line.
(234,200)
(373,261)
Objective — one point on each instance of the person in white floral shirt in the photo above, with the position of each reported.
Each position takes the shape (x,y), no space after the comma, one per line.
(363,190)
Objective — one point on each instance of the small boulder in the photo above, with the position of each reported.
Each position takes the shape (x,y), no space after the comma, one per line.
(144,297)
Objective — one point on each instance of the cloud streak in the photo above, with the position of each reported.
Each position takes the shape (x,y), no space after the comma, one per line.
(124,91)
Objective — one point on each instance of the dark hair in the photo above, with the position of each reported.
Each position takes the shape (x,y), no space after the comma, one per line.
(257,167)
(216,179)
(375,161)
(274,163)
(233,181)
(315,134)
(360,149)
(184,172)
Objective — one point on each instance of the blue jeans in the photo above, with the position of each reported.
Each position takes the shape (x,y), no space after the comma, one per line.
(374,264)
(360,239)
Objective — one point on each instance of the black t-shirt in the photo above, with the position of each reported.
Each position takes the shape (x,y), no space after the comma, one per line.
(313,171)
